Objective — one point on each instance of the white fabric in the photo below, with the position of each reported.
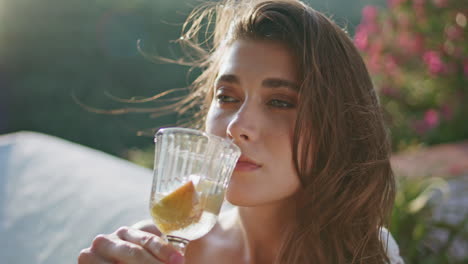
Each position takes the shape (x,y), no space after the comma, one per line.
(393,252)
(56,196)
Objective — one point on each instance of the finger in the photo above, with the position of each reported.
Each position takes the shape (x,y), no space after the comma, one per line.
(88,257)
(154,244)
(122,251)
(147,226)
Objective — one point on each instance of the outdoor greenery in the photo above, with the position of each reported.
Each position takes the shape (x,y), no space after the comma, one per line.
(415,227)
(417,53)
(58,53)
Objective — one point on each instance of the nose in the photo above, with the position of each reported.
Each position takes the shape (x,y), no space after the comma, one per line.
(244,125)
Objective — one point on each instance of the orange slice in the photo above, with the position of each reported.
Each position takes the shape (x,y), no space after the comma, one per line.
(178,209)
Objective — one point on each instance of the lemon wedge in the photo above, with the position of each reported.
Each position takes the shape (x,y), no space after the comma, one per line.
(178,209)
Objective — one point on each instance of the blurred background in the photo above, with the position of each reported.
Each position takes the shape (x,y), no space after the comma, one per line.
(56,57)
(51,50)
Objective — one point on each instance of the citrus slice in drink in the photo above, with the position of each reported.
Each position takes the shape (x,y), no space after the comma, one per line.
(178,209)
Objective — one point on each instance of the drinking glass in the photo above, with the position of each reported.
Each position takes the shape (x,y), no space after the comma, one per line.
(191,173)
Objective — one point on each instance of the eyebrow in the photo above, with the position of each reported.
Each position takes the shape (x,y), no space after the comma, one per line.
(268,82)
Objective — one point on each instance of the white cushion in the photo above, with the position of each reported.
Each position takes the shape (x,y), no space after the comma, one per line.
(56,196)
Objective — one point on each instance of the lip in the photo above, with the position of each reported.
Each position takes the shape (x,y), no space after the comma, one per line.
(246,164)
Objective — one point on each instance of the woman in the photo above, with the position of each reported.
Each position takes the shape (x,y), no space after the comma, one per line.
(314,182)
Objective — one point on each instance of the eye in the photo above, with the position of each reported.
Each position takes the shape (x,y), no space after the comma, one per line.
(280,104)
(225,99)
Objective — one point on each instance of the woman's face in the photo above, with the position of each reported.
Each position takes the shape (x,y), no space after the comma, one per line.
(255,98)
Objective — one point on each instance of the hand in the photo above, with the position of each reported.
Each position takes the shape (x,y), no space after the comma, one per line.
(130,245)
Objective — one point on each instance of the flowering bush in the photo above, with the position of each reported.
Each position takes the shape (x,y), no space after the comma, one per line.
(417,54)
(423,225)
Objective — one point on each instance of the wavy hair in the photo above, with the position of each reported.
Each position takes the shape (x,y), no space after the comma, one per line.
(341,145)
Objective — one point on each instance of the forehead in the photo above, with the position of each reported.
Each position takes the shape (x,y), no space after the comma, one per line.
(261,58)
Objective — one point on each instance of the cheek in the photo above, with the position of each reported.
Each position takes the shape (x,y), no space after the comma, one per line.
(215,123)
(283,144)
(282,132)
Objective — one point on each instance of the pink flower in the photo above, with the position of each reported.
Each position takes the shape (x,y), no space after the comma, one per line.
(403,20)
(410,43)
(434,62)
(418,44)
(390,91)
(458,168)
(431,118)
(374,62)
(418,6)
(367,28)
(429,122)
(361,38)
(375,56)
(394,3)
(440,3)
(454,32)
(369,14)
(419,3)
(391,65)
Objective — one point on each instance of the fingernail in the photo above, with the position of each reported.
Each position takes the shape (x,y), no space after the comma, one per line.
(176,258)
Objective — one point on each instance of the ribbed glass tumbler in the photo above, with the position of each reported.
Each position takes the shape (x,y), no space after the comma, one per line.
(191,173)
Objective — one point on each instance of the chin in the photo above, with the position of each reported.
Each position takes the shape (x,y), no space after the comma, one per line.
(236,198)
(250,190)
(244,198)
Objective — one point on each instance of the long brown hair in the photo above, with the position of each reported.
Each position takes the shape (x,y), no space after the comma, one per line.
(341,146)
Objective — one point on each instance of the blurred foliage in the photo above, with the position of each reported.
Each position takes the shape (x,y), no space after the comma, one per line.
(52,51)
(417,53)
(413,223)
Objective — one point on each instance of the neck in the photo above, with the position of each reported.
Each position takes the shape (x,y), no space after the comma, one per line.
(263,228)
